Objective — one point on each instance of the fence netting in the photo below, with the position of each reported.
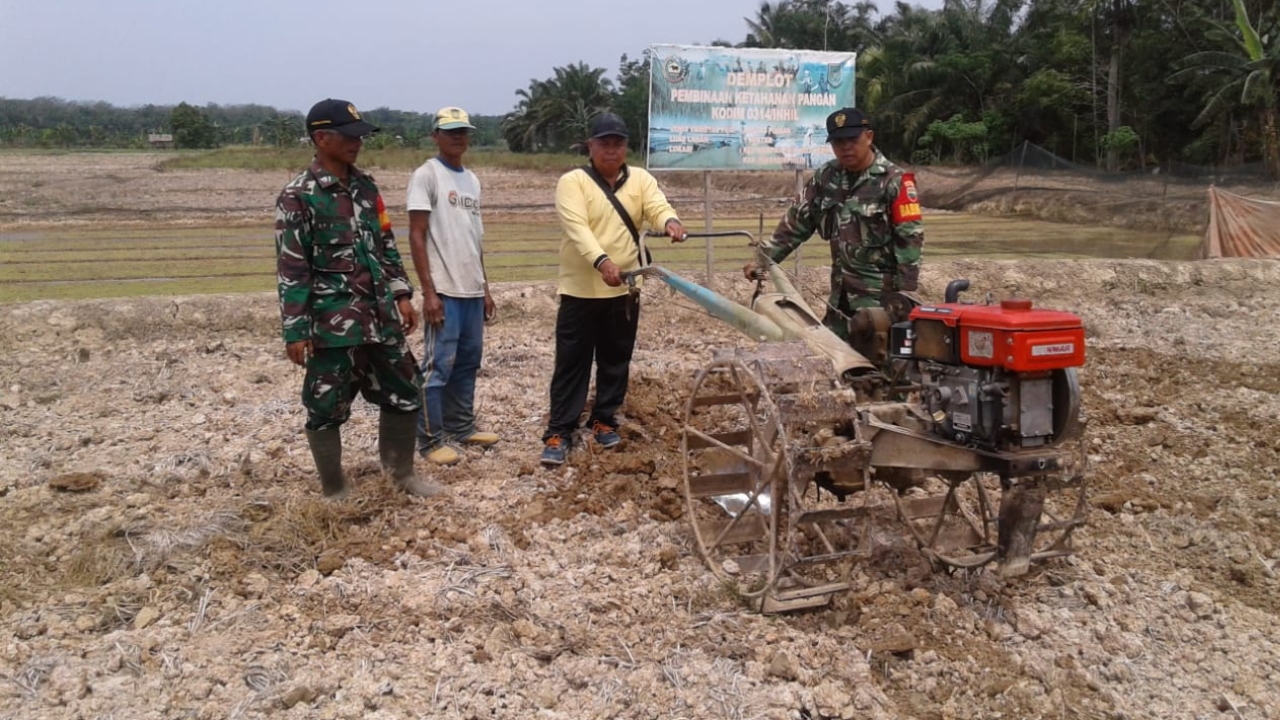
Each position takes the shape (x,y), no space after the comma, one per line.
(1030,180)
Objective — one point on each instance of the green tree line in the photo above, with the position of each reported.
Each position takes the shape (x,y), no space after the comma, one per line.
(1122,84)
(48,122)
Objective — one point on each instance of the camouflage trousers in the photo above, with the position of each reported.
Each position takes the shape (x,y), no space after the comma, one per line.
(842,307)
(385,374)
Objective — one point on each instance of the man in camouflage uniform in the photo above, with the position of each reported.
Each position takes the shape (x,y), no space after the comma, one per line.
(868,209)
(346,302)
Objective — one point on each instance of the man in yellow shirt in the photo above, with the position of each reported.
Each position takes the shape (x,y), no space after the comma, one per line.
(601,207)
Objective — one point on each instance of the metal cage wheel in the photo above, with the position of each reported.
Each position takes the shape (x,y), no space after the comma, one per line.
(965,521)
(734,446)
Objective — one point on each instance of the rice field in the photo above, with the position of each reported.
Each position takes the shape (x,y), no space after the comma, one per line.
(76,263)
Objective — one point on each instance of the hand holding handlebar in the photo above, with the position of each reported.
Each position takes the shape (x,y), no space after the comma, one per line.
(675,230)
(610,273)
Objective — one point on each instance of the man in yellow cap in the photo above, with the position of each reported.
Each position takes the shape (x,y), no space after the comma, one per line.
(445,230)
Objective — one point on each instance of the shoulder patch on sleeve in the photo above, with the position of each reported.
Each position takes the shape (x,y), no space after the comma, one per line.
(906,207)
(383,218)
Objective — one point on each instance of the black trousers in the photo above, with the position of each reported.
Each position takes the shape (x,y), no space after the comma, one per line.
(599,330)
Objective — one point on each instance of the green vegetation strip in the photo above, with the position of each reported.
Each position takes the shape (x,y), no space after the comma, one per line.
(135,254)
(128,262)
(134,288)
(293,159)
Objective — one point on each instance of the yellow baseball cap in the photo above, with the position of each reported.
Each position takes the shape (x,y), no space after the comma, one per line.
(452,118)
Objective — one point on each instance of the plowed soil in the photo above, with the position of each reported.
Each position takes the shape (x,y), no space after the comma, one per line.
(167,553)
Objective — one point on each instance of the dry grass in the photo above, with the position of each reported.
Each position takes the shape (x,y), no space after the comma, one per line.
(288,535)
(13,588)
(155,546)
(93,571)
(26,569)
(33,674)
(97,563)
(292,535)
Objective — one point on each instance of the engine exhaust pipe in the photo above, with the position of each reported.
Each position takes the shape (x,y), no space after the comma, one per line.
(954,288)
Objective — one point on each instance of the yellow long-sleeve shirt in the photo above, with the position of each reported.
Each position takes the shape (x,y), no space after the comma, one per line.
(590,227)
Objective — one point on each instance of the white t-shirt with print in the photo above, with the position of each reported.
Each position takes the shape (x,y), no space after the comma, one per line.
(454,229)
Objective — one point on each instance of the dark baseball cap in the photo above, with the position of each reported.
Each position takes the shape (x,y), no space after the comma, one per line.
(606,124)
(340,115)
(846,123)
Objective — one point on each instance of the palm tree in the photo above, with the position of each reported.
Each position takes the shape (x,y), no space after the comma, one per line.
(553,113)
(762,31)
(894,78)
(933,64)
(812,25)
(582,92)
(524,128)
(1251,71)
(859,28)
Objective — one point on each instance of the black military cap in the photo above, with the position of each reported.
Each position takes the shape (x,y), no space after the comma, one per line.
(846,123)
(338,115)
(608,124)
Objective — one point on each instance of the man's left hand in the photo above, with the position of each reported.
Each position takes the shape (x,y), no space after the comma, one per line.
(408,316)
(676,231)
(490,309)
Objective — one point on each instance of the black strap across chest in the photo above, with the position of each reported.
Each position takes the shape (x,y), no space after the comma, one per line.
(613,198)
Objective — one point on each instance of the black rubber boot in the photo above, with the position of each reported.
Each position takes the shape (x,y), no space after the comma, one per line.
(326,450)
(397,435)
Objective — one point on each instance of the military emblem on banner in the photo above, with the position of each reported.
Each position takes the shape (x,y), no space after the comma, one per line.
(835,74)
(674,70)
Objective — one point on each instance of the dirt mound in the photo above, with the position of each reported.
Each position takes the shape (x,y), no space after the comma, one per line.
(167,553)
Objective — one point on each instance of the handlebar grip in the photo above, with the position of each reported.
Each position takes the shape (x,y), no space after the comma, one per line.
(709,234)
(721,233)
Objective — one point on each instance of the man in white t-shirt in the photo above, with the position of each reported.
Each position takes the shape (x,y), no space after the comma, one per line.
(444,236)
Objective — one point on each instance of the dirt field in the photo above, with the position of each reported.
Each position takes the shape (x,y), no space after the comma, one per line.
(197,573)
(44,190)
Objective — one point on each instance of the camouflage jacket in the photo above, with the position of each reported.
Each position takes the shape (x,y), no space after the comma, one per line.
(339,273)
(872,220)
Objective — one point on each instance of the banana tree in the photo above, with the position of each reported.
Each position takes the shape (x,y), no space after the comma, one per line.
(1251,70)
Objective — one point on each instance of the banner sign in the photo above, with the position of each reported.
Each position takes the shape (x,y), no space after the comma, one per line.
(720,108)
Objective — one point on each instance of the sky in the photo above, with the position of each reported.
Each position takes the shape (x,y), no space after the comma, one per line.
(414,55)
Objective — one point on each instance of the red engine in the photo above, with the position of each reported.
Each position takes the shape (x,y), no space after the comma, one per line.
(996,376)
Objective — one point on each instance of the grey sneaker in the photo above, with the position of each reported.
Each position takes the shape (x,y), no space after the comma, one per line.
(606,435)
(554,451)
